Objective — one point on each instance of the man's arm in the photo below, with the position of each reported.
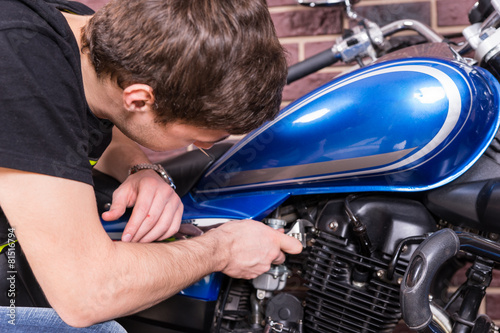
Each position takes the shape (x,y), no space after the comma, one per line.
(157,208)
(87,278)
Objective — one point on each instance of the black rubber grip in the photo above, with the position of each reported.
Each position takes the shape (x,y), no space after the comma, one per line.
(311,65)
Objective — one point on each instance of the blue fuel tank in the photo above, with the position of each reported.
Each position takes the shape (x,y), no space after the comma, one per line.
(401,125)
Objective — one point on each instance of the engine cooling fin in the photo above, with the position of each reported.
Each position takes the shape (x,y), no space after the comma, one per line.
(335,304)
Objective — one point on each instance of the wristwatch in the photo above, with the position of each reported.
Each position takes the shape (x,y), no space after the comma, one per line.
(158,168)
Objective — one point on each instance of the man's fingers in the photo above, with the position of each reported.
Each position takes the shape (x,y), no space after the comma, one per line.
(175,224)
(144,216)
(290,244)
(117,209)
(280,259)
(170,219)
(162,219)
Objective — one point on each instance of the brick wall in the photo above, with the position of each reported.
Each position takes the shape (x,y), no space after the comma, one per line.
(305,31)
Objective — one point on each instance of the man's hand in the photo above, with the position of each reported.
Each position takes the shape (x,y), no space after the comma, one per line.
(157,208)
(250,247)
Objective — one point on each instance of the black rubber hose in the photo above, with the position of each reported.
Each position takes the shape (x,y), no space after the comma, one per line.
(311,65)
(416,285)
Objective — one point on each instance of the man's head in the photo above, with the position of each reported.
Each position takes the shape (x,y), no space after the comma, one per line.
(213,64)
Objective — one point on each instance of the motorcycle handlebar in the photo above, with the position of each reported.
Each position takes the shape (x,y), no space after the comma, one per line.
(329,56)
(423,30)
(311,65)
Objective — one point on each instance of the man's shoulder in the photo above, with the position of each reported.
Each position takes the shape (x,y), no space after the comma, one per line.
(28,15)
(43,93)
(34,14)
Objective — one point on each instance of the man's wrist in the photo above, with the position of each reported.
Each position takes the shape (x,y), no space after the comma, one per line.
(158,168)
(218,246)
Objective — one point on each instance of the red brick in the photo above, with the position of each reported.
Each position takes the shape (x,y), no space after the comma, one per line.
(453,12)
(292,53)
(495,282)
(272,3)
(493,306)
(312,22)
(460,276)
(301,87)
(316,47)
(384,14)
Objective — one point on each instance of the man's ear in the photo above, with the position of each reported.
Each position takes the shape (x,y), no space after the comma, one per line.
(138,97)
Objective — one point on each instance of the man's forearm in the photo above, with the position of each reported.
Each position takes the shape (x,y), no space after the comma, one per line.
(136,276)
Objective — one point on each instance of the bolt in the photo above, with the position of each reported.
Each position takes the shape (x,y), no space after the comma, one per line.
(333,225)
(380,273)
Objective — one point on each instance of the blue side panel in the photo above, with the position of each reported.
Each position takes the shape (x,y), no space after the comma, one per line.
(206,289)
(255,206)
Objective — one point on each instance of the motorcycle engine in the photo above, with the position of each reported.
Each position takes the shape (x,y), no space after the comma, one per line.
(353,277)
(355,255)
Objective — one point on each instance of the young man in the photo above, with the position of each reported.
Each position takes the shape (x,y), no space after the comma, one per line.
(164,74)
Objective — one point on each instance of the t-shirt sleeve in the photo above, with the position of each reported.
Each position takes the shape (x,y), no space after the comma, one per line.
(42,106)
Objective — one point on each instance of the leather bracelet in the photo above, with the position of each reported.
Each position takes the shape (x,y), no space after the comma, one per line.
(158,168)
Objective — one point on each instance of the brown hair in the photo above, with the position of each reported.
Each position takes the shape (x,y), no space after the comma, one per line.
(214,64)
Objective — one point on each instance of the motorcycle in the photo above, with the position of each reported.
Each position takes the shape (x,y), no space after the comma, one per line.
(389,175)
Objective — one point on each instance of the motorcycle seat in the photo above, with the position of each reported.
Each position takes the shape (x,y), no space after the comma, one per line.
(186,169)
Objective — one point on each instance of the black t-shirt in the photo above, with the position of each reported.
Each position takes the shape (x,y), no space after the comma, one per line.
(46,125)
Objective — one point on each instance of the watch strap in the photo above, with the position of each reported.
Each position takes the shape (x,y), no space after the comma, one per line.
(158,168)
